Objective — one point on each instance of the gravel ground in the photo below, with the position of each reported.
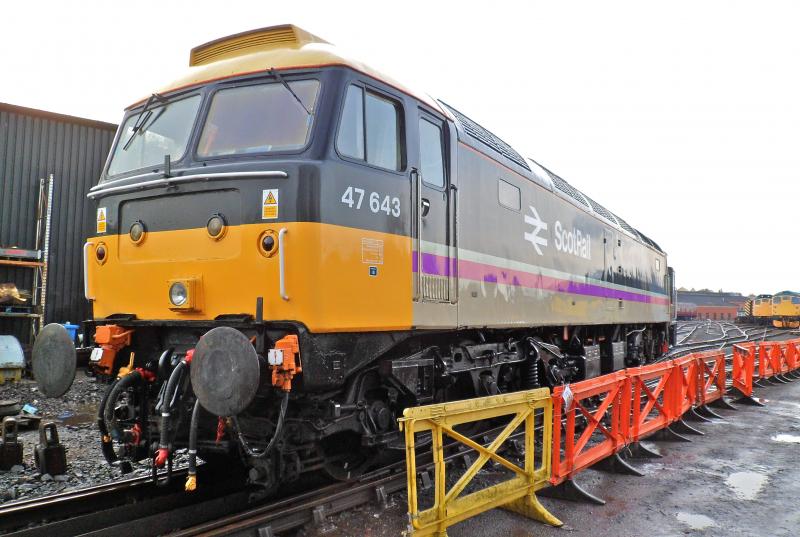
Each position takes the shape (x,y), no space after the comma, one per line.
(74,414)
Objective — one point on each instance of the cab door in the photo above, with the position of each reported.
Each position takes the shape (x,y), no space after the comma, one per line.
(434,245)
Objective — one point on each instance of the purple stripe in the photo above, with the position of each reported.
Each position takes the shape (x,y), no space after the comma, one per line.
(470,270)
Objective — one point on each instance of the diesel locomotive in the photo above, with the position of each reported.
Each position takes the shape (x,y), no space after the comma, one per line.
(291,248)
(781,310)
(785,310)
(757,310)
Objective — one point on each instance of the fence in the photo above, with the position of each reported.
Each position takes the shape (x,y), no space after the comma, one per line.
(579,425)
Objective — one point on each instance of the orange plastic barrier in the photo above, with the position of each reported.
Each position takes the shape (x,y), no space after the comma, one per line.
(777,358)
(572,450)
(711,376)
(651,409)
(744,355)
(685,384)
(765,369)
(792,355)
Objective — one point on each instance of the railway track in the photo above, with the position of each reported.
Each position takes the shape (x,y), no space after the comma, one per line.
(137,508)
(751,333)
(129,502)
(220,507)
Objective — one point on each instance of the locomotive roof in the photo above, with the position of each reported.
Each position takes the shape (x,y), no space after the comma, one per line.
(279,47)
(540,174)
(289,47)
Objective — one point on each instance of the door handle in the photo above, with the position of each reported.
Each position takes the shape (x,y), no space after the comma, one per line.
(426,206)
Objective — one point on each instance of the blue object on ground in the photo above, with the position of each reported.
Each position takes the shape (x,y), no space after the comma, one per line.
(72,330)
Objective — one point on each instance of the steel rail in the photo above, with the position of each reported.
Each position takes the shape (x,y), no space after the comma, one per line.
(135,507)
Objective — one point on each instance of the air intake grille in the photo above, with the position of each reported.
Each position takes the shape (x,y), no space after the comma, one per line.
(626,226)
(568,189)
(487,138)
(235,45)
(599,209)
(649,241)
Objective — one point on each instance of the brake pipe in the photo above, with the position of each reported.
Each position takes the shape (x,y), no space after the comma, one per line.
(106,445)
(168,403)
(105,413)
(277,433)
(191,478)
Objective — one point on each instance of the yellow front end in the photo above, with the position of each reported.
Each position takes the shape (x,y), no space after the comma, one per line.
(327,286)
(785,311)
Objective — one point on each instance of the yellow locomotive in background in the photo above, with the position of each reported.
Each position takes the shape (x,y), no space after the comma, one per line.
(785,310)
(782,310)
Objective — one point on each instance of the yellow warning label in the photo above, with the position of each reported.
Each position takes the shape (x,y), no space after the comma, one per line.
(101,219)
(269,204)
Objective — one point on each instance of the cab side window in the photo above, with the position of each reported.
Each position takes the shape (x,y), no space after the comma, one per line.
(350,140)
(370,129)
(430,153)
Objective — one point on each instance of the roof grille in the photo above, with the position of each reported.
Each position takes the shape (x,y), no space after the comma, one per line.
(568,189)
(487,138)
(599,209)
(650,241)
(626,226)
(252,41)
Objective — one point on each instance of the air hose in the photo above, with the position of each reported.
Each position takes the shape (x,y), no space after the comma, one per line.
(191,479)
(168,402)
(278,430)
(106,445)
(120,385)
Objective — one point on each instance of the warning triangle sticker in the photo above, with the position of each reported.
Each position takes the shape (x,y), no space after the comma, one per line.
(101,214)
(270,199)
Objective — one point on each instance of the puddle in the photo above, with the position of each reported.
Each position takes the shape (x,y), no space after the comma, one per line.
(697,522)
(85,413)
(746,485)
(787,438)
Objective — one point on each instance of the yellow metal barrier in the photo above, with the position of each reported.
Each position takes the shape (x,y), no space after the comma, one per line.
(516,494)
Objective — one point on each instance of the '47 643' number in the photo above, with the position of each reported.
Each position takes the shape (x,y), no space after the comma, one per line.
(354,198)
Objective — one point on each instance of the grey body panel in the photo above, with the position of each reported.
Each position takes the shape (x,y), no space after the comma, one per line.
(548,259)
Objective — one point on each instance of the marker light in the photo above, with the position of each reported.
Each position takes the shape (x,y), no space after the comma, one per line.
(268,243)
(136,232)
(100,253)
(216,226)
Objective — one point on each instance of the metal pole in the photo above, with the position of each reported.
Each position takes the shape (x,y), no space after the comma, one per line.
(46,250)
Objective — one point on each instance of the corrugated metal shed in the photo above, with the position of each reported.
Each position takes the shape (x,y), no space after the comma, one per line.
(35,144)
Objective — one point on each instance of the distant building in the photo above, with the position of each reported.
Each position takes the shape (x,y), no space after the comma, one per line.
(35,144)
(717,313)
(687,311)
(716,306)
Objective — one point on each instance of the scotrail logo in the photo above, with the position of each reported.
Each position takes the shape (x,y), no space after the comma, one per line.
(538,225)
(570,241)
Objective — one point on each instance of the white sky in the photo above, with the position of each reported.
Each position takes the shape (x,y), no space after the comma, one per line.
(682,116)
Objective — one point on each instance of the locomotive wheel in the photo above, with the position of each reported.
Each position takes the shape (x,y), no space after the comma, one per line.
(344,459)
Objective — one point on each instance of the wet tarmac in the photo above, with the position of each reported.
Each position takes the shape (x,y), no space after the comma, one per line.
(741,479)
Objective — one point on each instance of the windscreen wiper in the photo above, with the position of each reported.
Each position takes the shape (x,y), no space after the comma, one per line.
(142,118)
(280,79)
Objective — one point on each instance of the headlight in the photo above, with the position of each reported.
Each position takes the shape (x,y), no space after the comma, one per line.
(136,232)
(178,294)
(216,226)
